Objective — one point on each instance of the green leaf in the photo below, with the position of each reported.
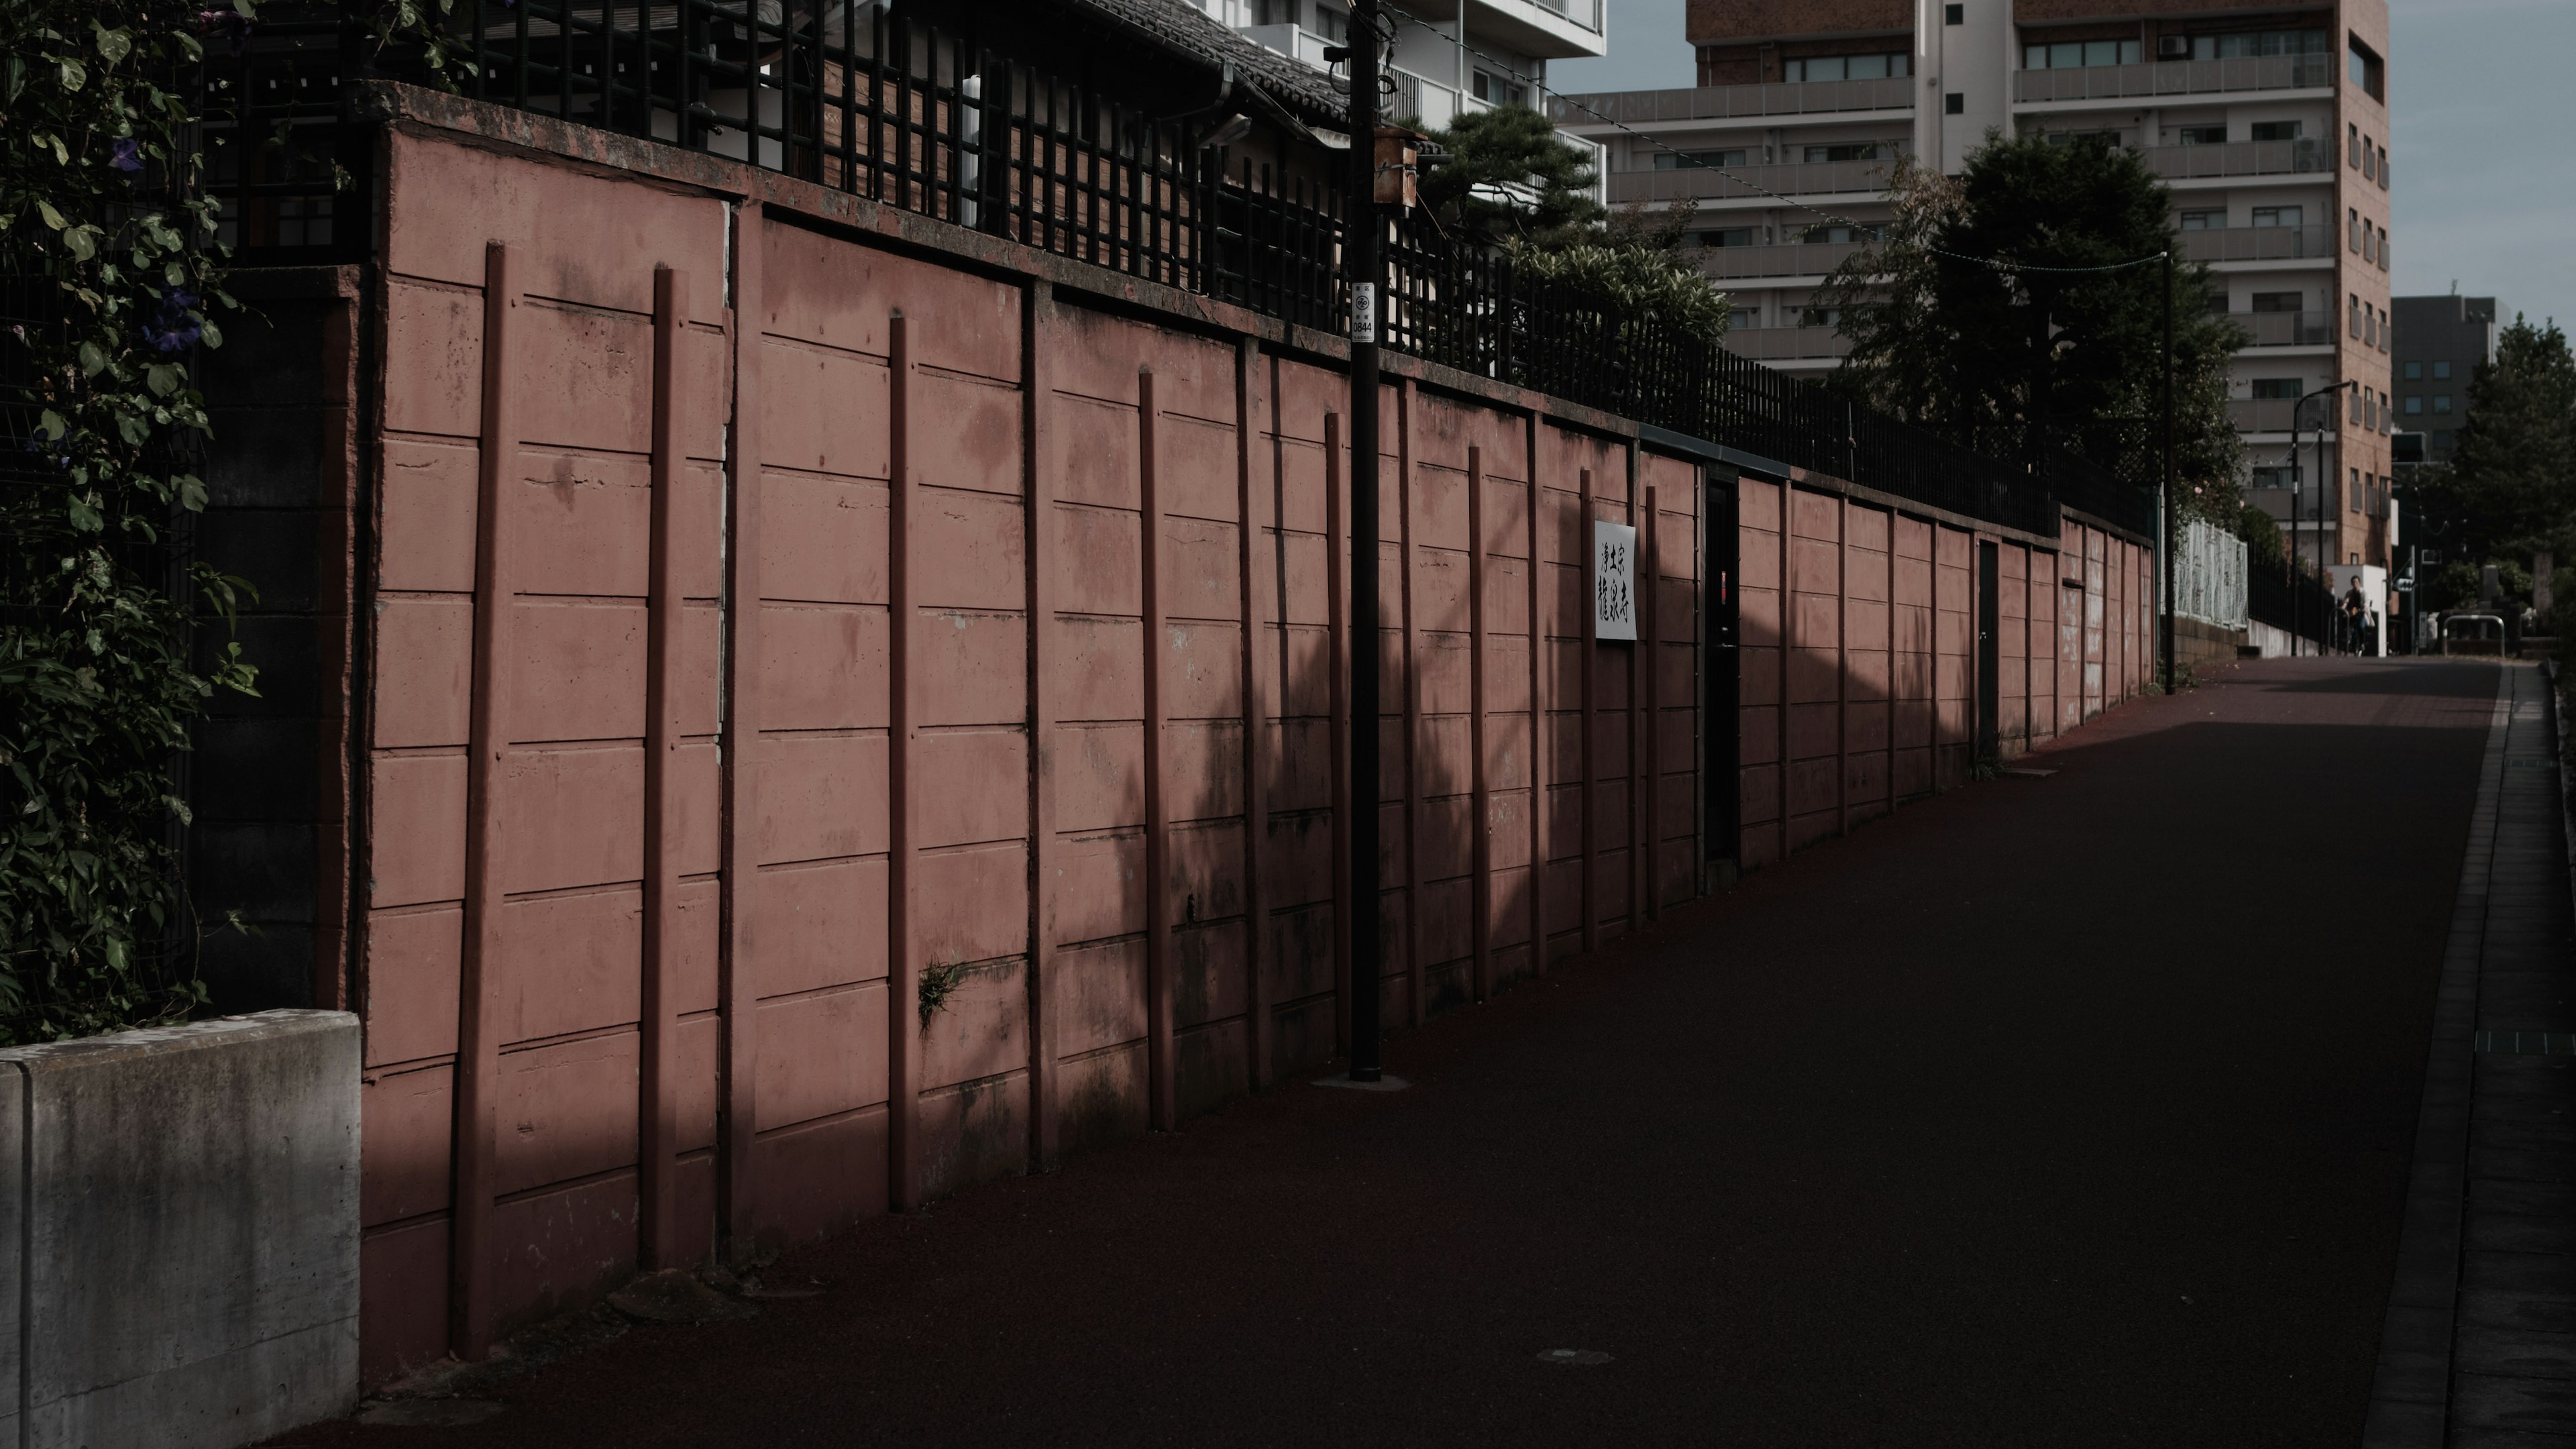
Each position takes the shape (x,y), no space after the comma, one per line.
(210,334)
(50,425)
(82,242)
(74,74)
(84,517)
(93,358)
(52,217)
(192,492)
(113,45)
(163,378)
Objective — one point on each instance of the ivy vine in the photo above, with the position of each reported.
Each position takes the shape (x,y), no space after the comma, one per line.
(110,283)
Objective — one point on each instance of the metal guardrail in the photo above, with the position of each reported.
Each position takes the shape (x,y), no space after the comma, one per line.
(1777,343)
(2287,329)
(1796,178)
(2258,243)
(2174,78)
(1703,103)
(2240,158)
(1779,259)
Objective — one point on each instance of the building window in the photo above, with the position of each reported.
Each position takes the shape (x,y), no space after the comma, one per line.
(1820,316)
(2353,503)
(2066,55)
(1877,66)
(2279,215)
(2413,370)
(2352,315)
(2441,402)
(1274,12)
(1495,90)
(1843,232)
(2204,221)
(2370,160)
(2276,130)
(1677,160)
(2369,242)
(1852,151)
(2258,42)
(2444,440)
(2414,405)
(2277,301)
(2369,408)
(2363,68)
(2442,370)
(1954,14)
(2352,404)
(1732,236)
(1334,25)
(2279,387)
(2352,146)
(2201,135)
(2352,229)
(2276,475)
(1954,104)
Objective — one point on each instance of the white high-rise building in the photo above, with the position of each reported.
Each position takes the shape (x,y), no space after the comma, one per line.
(2269,122)
(1450,55)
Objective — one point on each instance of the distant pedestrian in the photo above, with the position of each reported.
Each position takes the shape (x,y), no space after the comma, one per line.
(2356,608)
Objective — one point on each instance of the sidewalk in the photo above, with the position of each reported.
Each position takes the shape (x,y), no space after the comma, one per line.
(2480,1338)
(2061,1111)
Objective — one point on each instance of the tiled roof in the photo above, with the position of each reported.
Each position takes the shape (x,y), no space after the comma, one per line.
(1187,31)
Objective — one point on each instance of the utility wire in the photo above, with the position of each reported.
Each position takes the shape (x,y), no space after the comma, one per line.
(1689,160)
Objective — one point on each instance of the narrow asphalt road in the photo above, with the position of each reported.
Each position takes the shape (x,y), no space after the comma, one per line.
(2063,1111)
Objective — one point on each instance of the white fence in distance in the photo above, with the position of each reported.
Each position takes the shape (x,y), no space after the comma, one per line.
(2209,576)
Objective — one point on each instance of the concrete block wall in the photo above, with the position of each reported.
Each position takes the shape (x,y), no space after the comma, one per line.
(179,1233)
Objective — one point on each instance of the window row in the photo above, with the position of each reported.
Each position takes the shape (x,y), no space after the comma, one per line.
(2415,405)
(1812,155)
(1877,65)
(2441,370)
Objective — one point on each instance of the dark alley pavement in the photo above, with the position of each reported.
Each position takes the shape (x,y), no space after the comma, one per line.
(2075,1110)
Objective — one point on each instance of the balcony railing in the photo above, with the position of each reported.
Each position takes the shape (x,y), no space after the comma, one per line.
(2258,243)
(1778,343)
(2275,414)
(1438,105)
(2174,78)
(1787,259)
(2240,158)
(2287,329)
(1705,103)
(1796,179)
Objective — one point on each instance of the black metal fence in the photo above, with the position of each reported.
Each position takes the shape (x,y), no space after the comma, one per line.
(2301,607)
(946,123)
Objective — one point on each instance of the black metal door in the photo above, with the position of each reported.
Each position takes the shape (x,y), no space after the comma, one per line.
(1722,715)
(1989,652)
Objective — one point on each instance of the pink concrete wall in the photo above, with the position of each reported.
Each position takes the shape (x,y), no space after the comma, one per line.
(1874,611)
(775,632)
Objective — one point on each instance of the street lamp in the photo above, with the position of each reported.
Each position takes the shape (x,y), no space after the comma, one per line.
(2298,412)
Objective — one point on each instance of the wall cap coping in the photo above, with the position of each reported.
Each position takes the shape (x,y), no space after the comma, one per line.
(160,1041)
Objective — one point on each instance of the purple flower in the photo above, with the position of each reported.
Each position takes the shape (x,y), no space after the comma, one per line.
(170,327)
(128,155)
(229,23)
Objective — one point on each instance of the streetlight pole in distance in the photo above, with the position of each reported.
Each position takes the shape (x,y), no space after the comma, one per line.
(2298,425)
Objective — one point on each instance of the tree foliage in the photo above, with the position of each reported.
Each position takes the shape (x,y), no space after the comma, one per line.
(1956,323)
(1505,175)
(112,283)
(2514,474)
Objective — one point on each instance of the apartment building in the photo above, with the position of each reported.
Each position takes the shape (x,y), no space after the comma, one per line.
(1450,55)
(2269,123)
(2440,342)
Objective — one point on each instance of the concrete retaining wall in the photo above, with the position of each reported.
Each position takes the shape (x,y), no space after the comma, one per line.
(179,1233)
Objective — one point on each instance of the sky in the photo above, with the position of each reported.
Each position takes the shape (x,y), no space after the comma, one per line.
(2485,190)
